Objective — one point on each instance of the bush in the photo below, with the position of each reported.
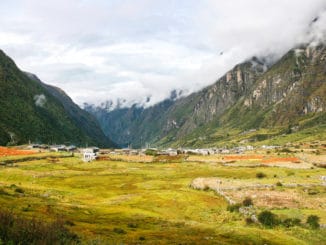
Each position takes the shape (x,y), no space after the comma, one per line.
(234,207)
(132,225)
(119,231)
(260,175)
(18,230)
(279,183)
(313,221)
(247,202)
(19,190)
(285,150)
(313,191)
(268,219)
(206,188)
(291,222)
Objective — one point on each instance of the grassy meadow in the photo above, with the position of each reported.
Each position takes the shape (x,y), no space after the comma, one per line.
(129,201)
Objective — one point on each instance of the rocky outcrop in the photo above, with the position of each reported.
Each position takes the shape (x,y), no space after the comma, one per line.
(251,95)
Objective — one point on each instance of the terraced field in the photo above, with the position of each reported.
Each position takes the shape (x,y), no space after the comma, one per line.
(124,200)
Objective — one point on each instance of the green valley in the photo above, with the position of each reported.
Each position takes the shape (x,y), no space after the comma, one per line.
(142,200)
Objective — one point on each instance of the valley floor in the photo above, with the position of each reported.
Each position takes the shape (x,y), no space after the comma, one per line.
(146,200)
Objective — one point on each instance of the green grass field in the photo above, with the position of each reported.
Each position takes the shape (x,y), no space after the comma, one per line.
(119,202)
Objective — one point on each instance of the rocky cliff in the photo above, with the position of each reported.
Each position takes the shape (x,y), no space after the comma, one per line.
(253,95)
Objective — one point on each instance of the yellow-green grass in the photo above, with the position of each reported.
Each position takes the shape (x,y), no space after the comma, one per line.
(150,203)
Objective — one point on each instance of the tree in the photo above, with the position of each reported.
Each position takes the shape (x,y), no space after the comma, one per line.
(267,218)
(313,221)
(260,175)
(247,202)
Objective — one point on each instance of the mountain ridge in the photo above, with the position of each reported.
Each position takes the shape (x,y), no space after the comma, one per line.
(251,95)
(30,111)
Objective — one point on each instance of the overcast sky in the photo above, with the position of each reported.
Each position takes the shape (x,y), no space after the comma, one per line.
(97,50)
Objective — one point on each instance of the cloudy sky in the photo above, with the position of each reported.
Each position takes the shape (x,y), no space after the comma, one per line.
(98,50)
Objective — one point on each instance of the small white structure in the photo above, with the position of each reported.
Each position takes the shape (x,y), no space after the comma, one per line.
(225,151)
(89,156)
(57,148)
(323,180)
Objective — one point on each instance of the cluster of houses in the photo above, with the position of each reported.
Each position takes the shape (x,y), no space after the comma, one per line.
(213,151)
(88,154)
(174,152)
(54,148)
(91,153)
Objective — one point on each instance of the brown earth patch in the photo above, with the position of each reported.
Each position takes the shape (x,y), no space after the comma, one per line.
(5,151)
(281,159)
(289,198)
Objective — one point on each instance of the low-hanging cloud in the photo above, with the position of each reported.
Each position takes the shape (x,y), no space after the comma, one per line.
(40,100)
(138,49)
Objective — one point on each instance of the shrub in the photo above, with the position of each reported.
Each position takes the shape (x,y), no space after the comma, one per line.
(206,188)
(291,222)
(119,231)
(285,150)
(19,230)
(234,207)
(313,191)
(268,219)
(260,175)
(132,225)
(313,221)
(19,190)
(247,202)
(69,223)
(279,183)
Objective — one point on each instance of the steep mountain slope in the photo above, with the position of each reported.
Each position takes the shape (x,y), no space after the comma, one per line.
(82,118)
(174,119)
(133,126)
(285,103)
(31,110)
(269,102)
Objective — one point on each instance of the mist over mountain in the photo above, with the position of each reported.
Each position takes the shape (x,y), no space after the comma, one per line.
(119,50)
(270,97)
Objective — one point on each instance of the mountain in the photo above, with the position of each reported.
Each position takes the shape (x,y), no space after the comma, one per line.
(33,111)
(135,125)
(254,102)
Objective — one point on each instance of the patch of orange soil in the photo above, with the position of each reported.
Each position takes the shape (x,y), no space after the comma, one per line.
(281,159)
(5,151)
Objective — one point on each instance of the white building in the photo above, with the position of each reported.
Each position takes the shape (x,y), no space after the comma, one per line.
(89,156)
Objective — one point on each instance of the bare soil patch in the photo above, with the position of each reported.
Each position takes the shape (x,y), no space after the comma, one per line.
(5,151)
(289,198)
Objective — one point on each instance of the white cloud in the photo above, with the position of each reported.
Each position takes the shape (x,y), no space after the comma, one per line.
(134,49)
(40,100)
